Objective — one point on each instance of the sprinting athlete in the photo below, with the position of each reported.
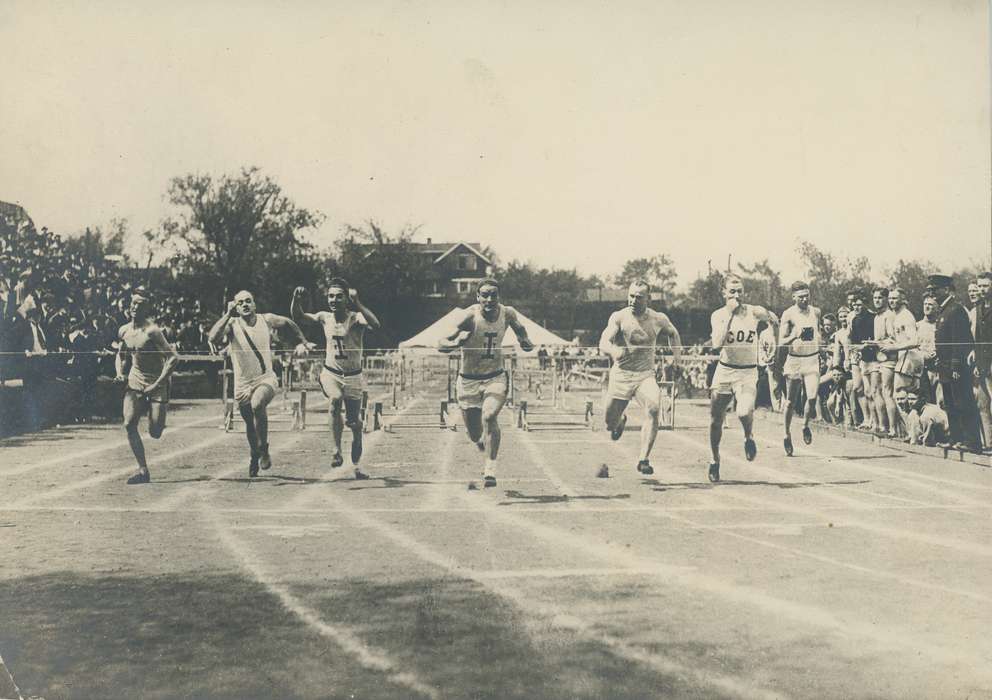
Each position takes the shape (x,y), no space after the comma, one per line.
(735,334)
(632,375)
(482,383)
(152,360)
(341,377)
(801,334)
(250,336)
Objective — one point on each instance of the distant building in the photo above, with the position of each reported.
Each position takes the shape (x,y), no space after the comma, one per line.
(453,268)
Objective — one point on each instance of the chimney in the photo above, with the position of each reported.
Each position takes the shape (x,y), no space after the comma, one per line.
(428,241)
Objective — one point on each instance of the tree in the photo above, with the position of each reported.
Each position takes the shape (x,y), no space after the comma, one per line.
(658,271)
(831,278)
(95,243)
(389,273)
(706,292)
(763,285)
(240,231)
(912,275)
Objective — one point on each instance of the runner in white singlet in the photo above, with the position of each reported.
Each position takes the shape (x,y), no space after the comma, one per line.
(152,361)
(735,334)
(341,376)
(249,335)
(801,334)
(482,383)
(630,338)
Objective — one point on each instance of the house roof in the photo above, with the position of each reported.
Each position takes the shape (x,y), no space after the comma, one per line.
(439,250)
(474,248)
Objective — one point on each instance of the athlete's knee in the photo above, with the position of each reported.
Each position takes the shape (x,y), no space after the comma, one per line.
(491,418)
(652,412)
(131,426)
(337,405)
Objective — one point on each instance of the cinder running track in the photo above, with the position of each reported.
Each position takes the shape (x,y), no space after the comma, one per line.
(846,571)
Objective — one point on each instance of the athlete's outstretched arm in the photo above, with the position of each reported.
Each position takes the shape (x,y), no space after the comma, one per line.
(121,360)
(171,360)
(282,323)
(606,343)
(296,307)
(458,336)
(370,318)
(674,339)
(518,328)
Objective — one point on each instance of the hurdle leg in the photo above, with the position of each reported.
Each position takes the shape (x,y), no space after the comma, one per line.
(589,420)
(377,416)
(303,409)
(521,412)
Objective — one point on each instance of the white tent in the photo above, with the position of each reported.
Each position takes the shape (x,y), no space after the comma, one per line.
(429,337)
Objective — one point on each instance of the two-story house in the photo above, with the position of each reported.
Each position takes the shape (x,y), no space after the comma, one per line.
(453,269)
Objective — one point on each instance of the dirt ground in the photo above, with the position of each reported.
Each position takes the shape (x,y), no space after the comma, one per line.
(849,570)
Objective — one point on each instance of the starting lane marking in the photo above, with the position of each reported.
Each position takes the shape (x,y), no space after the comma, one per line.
(8,676)
(368,656)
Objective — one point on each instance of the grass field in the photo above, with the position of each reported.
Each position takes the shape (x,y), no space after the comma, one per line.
(849,570)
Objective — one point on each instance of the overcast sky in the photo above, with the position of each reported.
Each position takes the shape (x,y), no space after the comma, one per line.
(568,133)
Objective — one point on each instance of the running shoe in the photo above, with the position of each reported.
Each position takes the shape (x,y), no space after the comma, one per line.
(644,467)
(618,431)
(264,461)
(337,460)
(488,481)
(360,475)
(750,449)
(139,478)
(714,473)
(788,446)
(253,467)
(807,435)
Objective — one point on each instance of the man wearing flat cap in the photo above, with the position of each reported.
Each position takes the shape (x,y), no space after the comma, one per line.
(954,343)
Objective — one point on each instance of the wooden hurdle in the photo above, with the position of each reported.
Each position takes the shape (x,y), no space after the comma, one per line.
(524,415)
(443,422)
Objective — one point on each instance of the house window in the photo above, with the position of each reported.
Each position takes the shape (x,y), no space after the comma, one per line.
(464,287)
(466,262)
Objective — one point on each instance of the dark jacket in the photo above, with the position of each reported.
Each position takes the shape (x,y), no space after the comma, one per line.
(983,335)
(953,338)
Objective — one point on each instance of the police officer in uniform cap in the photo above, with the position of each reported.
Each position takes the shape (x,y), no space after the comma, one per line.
(954,343)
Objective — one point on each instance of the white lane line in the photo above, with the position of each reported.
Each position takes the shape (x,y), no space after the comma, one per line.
(668,513)
(368,656)
(846,520)
(903,475)
(171,502)
(10,676)
(439,493)
(74,456)
(797,611)
(554,614)
(369,443)
(156,462)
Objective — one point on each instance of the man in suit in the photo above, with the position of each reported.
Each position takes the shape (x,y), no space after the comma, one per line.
(954,343)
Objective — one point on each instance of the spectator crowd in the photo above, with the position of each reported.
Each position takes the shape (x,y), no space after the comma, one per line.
(922,375)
